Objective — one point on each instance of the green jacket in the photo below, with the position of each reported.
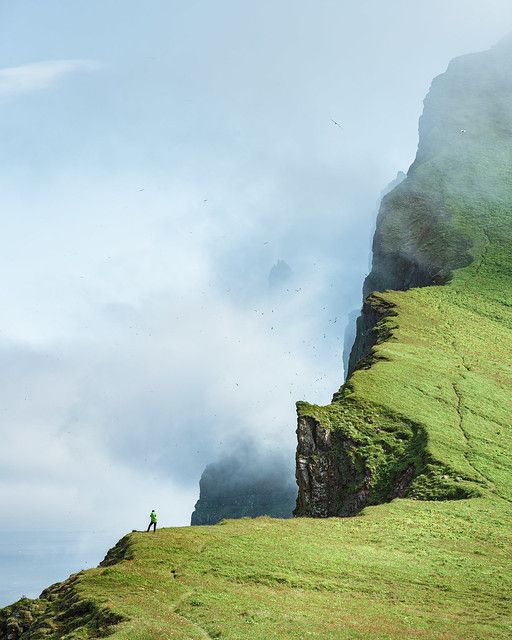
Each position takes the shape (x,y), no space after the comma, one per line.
(152,515)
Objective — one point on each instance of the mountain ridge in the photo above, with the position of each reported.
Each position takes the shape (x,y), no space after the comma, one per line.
(440,250)
(424,417)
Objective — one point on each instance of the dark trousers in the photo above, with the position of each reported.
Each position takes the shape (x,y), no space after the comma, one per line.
(152,524)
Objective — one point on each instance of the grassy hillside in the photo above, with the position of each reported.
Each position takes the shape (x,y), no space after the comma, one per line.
(433,395)
(407,569)
(426,413)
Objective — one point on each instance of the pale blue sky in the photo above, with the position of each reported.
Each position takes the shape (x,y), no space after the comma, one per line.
(157,159)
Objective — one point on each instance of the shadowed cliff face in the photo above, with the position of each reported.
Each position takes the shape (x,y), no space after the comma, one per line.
(249,483)
(414,245)
(445,218)
(321,474)
(415,242)
(334,480)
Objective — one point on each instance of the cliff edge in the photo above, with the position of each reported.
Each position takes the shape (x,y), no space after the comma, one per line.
(424,414)
(425,411)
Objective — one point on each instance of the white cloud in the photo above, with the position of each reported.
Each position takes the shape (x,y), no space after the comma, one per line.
(147,343)
(15,81)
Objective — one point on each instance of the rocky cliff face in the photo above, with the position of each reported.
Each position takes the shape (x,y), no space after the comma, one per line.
(334,481)
(247,484)
(414,245)
(389,429)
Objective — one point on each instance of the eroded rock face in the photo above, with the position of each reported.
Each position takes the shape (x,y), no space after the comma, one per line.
(327,473)
(316,470)
(337,478)
(367,334)
(247,484)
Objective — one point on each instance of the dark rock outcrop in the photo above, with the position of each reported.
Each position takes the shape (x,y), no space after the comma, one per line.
(320,472)
(339,471)
(245,485)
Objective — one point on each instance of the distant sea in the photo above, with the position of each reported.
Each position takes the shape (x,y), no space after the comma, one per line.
(30,561)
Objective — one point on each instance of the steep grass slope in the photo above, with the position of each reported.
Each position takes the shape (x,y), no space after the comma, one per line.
(408,569)
(426,410)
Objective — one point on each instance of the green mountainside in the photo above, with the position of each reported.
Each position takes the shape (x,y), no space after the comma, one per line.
(425,416)
(408,569)
(426,410)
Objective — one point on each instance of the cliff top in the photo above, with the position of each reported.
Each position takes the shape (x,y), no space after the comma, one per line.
(401,570)
(426,410)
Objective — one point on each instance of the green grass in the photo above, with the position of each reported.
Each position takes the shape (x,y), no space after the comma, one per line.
(442,366)
(407,569)
(434,396)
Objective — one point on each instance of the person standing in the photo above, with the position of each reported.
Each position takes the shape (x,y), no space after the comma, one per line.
(152,521)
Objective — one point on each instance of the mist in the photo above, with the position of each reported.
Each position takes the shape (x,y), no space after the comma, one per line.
(159,162)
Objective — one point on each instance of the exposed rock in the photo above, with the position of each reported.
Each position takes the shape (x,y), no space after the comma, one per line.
(348,338)
(321,471)
(335,474)
(245,485)
(59,611)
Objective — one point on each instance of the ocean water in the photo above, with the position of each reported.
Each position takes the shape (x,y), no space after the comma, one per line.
(30,561)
